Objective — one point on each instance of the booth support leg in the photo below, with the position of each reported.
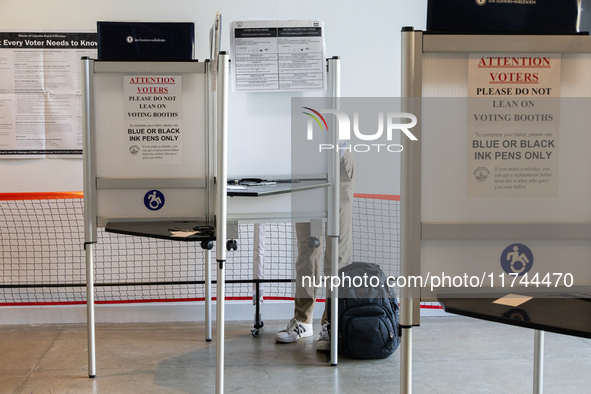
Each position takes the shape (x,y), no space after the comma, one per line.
(221,211)
(219,319)
(207,295)
(334,311)
(258,321)
(406,306)
(406,361)
(90,309)
(538,361)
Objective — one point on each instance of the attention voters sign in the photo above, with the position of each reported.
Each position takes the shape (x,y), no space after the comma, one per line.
(153,118)
(513,125)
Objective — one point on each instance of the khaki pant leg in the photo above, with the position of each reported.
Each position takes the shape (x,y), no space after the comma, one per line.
(307,264)
(347,186)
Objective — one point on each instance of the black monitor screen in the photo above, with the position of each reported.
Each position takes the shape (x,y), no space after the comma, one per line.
(146,40)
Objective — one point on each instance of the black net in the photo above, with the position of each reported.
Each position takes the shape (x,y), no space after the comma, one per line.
(42,258)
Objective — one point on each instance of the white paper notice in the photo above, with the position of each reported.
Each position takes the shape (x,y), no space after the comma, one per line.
(40,93)
(512,300)
(513,125)
(153,118)
(278,55)
(183,233)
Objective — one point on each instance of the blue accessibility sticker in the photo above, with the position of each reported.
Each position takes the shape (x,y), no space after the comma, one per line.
(154,200)
(517,259)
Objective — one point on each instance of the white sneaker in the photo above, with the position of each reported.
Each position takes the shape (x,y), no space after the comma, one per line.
(294,331)
(323,344)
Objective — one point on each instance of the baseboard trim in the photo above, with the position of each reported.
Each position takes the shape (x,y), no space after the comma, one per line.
(148,312)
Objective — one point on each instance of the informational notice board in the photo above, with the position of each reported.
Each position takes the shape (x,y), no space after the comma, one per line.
(278,55)
(40,107)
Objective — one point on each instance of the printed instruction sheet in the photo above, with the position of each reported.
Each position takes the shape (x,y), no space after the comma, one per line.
(278,55)
(40,93)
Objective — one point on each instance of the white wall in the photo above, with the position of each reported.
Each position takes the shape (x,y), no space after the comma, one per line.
(365,34)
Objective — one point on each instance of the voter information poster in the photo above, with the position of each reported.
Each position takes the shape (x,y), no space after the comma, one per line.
(278,55)
(40,93)
(513,125)
(153,118)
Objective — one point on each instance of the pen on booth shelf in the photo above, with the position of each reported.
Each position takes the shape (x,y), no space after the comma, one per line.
(251,182)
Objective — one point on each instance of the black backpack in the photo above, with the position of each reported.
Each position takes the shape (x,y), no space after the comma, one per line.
(368,320)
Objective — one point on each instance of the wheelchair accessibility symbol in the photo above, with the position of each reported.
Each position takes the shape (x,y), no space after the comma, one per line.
(517,259)
(154,200)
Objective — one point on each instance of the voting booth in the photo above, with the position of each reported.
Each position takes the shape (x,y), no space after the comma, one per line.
(493,200)
(155,162)
(164,175)
(306,190)
(151,131)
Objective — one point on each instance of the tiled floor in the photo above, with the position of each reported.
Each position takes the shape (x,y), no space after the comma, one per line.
(451,355)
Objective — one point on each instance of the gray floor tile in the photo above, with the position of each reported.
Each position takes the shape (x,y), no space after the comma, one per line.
(450,355)
(21,347)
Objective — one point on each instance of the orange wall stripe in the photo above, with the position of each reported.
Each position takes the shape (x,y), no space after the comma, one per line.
(70,195)
(390,197)
(40,196)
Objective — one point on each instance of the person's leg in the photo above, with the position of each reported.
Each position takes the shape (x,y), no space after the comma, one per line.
(307,265)
(258,261)
(308,260)
(347,186)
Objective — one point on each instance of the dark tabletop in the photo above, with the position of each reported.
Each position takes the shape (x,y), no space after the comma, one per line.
(569,316)
(278,188)
(160,229)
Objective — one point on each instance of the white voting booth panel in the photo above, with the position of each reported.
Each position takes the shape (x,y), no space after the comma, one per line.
(294,207)
(128,204)
(278,208)
(481,258)
(449,229)
(126,157)
(444,197)
(182,179)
